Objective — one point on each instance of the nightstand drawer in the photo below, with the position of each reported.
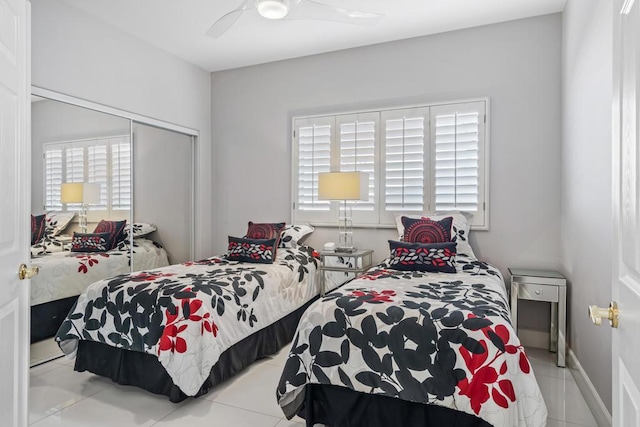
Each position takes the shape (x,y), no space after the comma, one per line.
(537,292)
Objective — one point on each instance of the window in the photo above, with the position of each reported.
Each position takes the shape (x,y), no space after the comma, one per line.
(104,161)
(428,158)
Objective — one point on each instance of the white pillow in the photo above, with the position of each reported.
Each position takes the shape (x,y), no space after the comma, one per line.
(292,234)
(58,221)
(459,229)
(139,229)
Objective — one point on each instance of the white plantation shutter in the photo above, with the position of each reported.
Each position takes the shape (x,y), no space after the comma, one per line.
(458,148)
(405,141)
(97,173)
(427,158)
(121,174)
(104,161)
(52,179)
(357,141)
(313,139)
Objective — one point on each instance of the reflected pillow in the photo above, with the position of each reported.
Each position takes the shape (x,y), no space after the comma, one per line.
(114,228)
(56,222)
(426,230)
(139,229)
(293,234)
(37,228)
(265,230)
(258,251)
(433,257)
(90,242)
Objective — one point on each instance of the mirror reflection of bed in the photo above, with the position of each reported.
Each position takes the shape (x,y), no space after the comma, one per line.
(93,175)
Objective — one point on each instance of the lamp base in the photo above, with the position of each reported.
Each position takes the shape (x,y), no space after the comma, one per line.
(346,250)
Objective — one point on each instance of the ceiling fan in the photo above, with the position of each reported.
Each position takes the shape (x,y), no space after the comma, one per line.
(293,9)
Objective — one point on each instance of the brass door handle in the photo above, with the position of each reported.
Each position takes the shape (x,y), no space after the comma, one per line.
(25,272)
(597,314)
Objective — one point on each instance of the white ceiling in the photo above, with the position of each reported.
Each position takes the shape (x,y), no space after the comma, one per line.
(178,26)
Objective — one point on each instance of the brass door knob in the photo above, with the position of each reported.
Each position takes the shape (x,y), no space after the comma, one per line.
(25,272)
(598,313)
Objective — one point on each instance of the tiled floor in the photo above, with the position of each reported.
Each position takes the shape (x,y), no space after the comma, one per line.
(61,397)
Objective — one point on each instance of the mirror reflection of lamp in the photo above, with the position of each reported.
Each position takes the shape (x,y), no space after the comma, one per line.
(344,186)
(80,192)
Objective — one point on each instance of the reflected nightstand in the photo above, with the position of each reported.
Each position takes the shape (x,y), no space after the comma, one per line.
(362,261)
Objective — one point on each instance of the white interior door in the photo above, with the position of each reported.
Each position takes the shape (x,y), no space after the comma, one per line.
(626,207)
(14,210)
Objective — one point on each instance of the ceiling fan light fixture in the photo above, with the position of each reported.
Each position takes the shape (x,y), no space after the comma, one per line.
(273,9)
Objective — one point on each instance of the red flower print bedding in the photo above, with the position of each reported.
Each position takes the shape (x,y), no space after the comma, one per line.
(432,338)
(66,274)
(188,314)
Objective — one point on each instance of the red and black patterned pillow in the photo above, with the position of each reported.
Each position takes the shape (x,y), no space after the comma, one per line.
(425,230)
(91,242)
(115,230)
(37,228)
(433,257)
(265,230)
(258,251)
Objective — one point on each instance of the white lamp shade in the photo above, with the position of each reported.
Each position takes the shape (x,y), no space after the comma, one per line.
(343,186)
(80,192)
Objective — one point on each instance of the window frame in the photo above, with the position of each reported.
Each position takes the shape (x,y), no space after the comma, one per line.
(85,144)
(386,219)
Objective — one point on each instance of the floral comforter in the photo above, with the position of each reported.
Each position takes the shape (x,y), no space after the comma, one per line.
(66,274)
(188,314)
(432,338)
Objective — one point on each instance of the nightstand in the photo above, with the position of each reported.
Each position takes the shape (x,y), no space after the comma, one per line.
(543,285)
(362,260)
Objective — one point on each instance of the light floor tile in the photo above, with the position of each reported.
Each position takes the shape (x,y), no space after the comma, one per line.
(61,397)
(204,413)
(59,388)
(564,401)
(280,358)
(114,406)
(254,389)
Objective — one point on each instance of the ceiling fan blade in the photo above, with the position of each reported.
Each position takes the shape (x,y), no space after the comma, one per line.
(311,9)
(223,24)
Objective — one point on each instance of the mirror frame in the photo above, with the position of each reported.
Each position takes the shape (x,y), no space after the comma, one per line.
(145,120)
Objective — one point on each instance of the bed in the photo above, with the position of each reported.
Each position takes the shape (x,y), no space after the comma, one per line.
(405,346)
(64,274)
(180,329)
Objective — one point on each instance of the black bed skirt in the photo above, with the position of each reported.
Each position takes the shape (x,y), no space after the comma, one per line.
(46,318)
(145,371)
(336,406)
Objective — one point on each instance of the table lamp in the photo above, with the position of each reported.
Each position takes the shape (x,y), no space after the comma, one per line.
(83,193)
(344,186)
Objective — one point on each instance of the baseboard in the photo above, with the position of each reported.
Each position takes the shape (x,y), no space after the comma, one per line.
(591,396)
(533,338)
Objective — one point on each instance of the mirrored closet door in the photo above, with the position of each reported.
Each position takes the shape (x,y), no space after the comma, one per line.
(111,194)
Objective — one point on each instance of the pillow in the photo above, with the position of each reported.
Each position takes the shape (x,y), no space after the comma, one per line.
(56,222)
(265,230)
(139,229)
(91,242)
(459,229)
(114,228)
(293,234)
(418,230)
(259,251)
(37,228)
(434,257)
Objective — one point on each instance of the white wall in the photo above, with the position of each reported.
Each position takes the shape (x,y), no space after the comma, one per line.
(586,181)
(75,54)
(517,64)
(53,121)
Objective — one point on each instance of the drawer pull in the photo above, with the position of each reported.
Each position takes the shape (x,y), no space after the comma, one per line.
(537,292)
